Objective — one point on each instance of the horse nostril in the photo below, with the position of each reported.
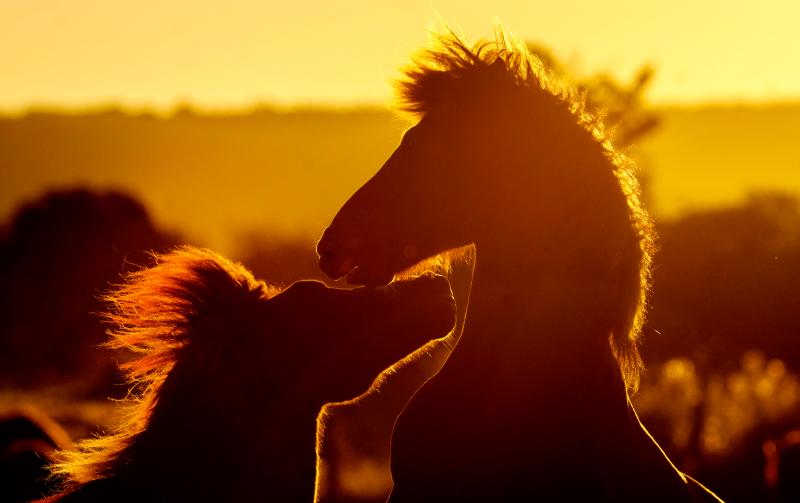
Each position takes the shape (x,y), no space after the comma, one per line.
(336,252)
(329,264)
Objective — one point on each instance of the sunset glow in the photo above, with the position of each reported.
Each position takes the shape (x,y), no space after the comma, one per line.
(154,54)
(221,221)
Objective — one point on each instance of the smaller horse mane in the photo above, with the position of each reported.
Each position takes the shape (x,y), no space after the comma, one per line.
(152,314)
(453,72)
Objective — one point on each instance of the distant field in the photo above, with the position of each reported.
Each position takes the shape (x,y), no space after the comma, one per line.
(209,177)
(213,177)
(702,157)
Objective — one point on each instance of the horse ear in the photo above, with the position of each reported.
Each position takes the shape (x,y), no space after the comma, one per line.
(499,64)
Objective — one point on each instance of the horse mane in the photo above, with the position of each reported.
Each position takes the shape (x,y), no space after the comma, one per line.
(152,314)
(451,71)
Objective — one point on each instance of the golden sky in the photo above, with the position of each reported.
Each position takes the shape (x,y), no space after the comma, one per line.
(236,52)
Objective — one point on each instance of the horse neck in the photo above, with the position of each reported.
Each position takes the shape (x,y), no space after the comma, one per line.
(540,331)
(541,327)
(229,454)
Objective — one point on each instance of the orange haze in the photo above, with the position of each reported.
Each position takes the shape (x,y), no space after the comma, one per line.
(221,54)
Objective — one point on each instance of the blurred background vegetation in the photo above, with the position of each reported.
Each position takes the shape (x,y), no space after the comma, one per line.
(86,195)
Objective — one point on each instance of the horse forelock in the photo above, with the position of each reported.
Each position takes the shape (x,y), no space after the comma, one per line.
(152,315)
(453,71)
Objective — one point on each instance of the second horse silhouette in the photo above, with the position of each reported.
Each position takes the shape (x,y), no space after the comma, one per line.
(231,373)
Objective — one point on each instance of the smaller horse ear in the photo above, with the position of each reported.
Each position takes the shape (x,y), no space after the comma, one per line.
(499,64)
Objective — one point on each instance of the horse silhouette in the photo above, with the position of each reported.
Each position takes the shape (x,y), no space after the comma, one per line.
(533,402)
(231,375)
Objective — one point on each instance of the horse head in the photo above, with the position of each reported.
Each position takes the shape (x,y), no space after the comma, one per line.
(504,157)
(500,157)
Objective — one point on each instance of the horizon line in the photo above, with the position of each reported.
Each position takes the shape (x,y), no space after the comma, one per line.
(178,107)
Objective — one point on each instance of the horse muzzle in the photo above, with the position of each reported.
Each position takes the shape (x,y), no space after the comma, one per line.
(344,254)
(338,253)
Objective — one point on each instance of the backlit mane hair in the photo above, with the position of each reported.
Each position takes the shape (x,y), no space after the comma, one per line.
(452,72)
(153,313)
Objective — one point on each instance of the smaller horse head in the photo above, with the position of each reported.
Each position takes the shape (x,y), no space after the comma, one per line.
(231,373)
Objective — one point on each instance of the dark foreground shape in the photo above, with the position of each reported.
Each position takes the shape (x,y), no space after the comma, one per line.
(232,373)
(533,403)
(28,439)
